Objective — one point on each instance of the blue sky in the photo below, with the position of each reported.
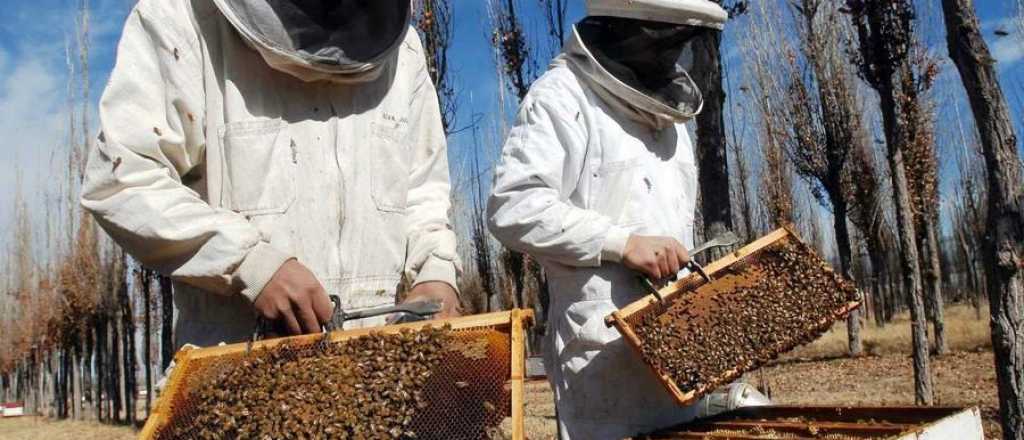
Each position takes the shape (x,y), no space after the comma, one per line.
(35,36)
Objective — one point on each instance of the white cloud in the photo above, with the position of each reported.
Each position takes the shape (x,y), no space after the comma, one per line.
(31,98)
(33,93)
(1007,51)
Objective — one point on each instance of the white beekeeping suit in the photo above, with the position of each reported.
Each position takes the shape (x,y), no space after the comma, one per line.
(599,154)
(239,134)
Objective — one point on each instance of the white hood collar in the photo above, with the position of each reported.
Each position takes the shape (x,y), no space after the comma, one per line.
(688,12)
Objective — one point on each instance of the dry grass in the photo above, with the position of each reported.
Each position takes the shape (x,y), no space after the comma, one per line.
(37,428)
(964,332)
(540,411)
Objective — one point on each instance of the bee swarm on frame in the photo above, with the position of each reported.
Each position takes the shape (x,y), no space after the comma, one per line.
(779,298)
(369,387)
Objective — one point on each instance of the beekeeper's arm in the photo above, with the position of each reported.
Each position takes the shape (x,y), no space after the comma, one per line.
(152,119)
(541,163)
(431,263)
(528,211)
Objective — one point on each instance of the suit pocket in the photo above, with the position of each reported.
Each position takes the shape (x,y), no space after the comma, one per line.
(389,176)
(614,196)
(585,329)
(260,161)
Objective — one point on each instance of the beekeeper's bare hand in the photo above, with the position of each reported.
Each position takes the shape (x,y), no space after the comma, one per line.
(437,291)
(655,257)
(295,299)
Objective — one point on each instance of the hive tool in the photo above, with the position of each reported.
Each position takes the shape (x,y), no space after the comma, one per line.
(726,239)
(402,313)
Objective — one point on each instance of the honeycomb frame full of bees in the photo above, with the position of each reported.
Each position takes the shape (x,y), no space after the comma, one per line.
(457,378)
(764,299)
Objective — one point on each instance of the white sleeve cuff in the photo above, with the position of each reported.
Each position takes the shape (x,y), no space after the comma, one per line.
(615,244)
(438,269)
(258,268)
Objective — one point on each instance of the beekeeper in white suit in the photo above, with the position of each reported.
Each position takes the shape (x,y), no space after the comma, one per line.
(597,181)
(267,153)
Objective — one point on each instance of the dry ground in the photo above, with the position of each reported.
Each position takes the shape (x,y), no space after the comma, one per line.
(817,374)
(820,374)
(35,428)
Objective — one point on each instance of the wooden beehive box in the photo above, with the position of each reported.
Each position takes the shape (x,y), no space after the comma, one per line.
(454,396)
(816,422)
(765,299)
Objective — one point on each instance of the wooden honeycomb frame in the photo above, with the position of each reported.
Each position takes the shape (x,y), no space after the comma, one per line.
(621,318)
(513,322)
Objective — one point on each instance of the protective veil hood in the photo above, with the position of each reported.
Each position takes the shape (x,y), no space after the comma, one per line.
(633,103)
(701,13)
(314,40)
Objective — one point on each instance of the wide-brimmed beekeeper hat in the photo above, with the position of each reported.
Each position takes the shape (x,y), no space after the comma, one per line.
(702,13)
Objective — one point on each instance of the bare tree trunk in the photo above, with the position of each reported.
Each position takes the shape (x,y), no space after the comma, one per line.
(878,281)
(933,282)
(86,370)
(45,385)
(114,380)
(127,342)
(76,386)
(166,322)
(60,384)
(69,383)
(100,345)
(742,183)
(879,298)
(712,163)
(909,261)
(40,378)
(1004,247)
(147,335)
(839,210)
(968,263)
(886,37)
(30,384)
(67,387)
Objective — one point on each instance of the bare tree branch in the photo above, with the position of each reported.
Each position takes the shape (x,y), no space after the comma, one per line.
(436,28)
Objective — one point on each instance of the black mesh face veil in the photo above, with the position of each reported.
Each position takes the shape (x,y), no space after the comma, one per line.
(359,30)
(326,32)
(648,56)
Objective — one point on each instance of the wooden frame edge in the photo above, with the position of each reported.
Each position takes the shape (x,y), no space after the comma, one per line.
(494,319)
(675,288)
(162,406)
(617,317)
(517,375)
(516,319)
